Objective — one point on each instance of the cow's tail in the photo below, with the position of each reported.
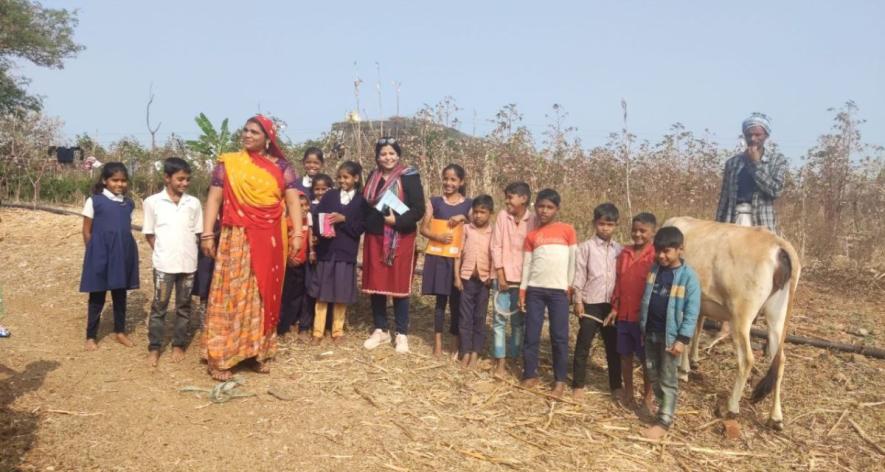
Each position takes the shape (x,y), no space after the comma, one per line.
(787,272)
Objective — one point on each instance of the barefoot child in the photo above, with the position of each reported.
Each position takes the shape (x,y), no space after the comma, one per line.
(547,273)
(320,184)
(667,318)
(473,277)
(633,265)
(593,286)
(439,271)
(111,259)
(294,288)
(172,222)
(334,285)
(512,224)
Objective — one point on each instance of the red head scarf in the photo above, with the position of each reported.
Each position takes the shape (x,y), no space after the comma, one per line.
(271,131)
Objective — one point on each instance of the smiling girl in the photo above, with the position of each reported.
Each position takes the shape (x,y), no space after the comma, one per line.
(111,259)
(334,284)
(438,276)
(389,247)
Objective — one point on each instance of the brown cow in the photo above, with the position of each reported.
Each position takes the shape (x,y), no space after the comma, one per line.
(743,271)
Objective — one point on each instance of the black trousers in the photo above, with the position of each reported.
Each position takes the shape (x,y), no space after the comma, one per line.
(439,312)
(96,305)
(292,307)
(586,332)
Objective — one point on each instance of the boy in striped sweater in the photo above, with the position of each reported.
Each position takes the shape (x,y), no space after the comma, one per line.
(547,273)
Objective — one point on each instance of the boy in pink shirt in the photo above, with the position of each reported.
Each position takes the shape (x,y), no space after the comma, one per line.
(508,237)
(593,286)
(473,277)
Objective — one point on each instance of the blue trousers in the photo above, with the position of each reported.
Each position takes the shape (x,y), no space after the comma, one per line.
(474,310)
(400,312)
(662,367)
(555,301)
(505,345)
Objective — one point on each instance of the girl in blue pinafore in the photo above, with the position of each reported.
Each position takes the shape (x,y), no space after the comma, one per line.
(111,260)
(439,272)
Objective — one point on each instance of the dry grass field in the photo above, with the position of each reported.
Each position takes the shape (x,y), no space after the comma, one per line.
(344,408)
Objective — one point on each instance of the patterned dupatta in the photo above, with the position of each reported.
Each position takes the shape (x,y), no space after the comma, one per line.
(373,194)
(253,199)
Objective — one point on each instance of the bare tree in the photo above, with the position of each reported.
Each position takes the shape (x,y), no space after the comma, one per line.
(354,116)
(396,88)
(153,130)
(626,158)
(380,102)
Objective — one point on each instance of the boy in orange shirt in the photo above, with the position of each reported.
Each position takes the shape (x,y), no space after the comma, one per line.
(547,272)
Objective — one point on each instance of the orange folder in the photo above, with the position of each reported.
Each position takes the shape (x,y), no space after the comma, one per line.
(452,249)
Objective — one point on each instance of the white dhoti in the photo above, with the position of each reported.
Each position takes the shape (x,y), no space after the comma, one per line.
(744,216)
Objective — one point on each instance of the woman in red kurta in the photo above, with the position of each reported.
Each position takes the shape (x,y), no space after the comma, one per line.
(389,245)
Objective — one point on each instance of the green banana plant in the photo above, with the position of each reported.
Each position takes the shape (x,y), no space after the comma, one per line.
(211,143)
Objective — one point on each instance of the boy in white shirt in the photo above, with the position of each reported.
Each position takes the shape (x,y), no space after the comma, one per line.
(172,223)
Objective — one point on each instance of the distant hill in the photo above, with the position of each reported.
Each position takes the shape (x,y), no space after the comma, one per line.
(397,127)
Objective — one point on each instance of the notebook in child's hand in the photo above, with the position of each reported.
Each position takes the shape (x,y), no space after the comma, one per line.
(392,201)
(452,249)
(327,229)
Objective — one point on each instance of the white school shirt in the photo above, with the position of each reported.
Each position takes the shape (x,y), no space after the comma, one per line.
(347,197)
(174,227)
(89,210)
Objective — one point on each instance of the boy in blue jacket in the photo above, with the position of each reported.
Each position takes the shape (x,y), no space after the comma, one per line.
(669,313)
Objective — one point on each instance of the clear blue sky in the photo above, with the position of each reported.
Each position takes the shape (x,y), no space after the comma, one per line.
(704,64)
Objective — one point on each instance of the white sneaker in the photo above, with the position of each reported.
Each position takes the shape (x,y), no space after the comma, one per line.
(402,344)
(375,340)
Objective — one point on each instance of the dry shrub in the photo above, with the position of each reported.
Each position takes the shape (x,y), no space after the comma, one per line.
(833,202)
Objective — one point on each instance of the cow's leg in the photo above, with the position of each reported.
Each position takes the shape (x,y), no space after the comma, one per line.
(776,315)
(689,359)
(684,366)
(740,334)
(694,358)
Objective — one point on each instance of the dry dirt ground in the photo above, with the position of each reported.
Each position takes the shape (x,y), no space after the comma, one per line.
(348,409)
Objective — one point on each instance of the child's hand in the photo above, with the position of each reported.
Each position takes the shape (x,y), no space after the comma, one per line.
(336,218)
(502,282)
(458,284)
(312,257)
(579,309)
(488,283)
(610,319)
(446,238)
(457,220)
(293,259)
(677,348)
(522,303)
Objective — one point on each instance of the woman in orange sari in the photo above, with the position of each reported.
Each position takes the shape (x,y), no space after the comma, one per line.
(256,186)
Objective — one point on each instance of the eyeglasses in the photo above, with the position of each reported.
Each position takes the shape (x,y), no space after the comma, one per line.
(384,141)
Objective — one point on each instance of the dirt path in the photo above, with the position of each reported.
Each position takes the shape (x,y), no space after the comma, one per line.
(65,409)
